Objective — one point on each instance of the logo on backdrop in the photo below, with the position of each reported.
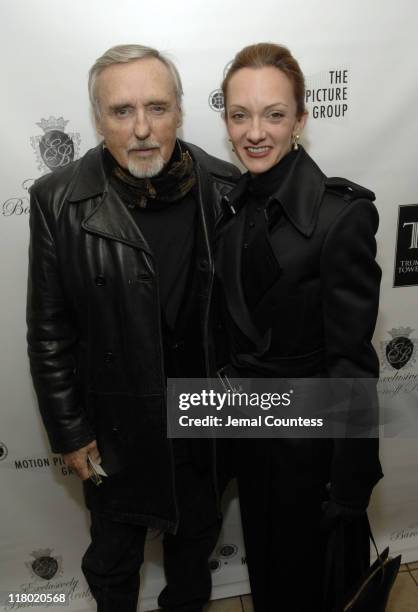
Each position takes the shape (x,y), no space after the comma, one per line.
(44,565)
(216,100)
(327,94)
(400,351)
(224,554)
(405,533)
(55,148)
(3,451)
(46,576)
(216,97)
(53,462)
(406,257)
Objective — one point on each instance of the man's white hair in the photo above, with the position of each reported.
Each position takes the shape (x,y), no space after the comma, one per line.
(122,54)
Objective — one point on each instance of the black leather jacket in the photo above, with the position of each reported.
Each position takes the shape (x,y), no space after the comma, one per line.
(94,331)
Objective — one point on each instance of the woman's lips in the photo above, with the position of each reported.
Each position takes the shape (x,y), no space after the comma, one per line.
(257,151)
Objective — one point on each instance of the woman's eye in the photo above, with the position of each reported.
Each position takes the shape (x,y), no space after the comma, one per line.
(276,115)
(237,116)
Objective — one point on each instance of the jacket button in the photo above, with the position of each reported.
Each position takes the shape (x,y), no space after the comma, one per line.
(100,281)
(108,358)
(203,264)
(251,224)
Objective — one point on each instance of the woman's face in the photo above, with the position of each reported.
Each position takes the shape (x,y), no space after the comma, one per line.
(261,116)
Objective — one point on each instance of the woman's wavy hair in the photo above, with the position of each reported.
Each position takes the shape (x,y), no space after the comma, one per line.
(269,54)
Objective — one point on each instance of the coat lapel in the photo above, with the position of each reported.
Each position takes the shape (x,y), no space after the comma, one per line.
(228,256)
(110,217)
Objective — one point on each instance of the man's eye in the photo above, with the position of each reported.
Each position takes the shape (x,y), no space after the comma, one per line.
(122,112)
(156,109)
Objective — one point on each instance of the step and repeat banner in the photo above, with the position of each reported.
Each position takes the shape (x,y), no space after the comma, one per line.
(359,59)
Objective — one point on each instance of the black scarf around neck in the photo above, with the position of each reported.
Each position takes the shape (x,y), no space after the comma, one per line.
(175,180)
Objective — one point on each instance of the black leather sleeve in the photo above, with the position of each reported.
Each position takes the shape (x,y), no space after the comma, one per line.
(52,341)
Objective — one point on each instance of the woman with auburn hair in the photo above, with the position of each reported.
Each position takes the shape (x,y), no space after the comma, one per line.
(296,263)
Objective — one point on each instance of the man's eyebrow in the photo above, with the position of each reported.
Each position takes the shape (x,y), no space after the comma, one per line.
(163,102)
(119,105)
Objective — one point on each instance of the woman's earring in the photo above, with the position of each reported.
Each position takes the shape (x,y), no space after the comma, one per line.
(295,142)
(232,148)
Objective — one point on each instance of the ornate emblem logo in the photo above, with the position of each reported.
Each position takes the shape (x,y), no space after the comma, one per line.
(55,148)
(3,451)
(216,100)
(44,565)
(228,551)
(214,565)
(399,351)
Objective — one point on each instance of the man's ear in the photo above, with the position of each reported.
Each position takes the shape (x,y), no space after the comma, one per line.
(180,118)
(98,125)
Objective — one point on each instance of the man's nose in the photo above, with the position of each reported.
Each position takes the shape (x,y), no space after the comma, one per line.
(256,132)
(142,126)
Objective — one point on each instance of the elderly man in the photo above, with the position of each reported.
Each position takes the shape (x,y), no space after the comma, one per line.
(120,282)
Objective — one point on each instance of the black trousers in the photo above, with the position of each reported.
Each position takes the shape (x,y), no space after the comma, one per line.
(112,562)
(282,486)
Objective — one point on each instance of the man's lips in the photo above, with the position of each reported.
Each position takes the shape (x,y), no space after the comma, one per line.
(143,151)
(261,151)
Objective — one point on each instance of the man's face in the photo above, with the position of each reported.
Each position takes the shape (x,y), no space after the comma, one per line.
(138,115)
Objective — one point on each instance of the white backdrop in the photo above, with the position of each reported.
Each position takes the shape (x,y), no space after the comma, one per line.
(366,49)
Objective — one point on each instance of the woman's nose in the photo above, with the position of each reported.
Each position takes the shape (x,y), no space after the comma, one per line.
(256,132)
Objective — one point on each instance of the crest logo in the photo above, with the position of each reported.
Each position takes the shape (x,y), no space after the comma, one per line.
(3,451)
(55,148)
(214,565)
(399,351)
(216,100)
(228,551)
(44,566)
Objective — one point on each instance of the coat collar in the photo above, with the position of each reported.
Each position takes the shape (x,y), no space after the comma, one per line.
(110,217)
(299,194)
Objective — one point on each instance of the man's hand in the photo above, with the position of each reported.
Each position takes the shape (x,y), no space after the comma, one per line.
(77,460)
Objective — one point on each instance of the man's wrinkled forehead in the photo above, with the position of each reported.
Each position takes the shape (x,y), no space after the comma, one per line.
(147,81)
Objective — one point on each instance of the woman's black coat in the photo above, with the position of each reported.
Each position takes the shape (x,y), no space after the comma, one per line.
(319,314)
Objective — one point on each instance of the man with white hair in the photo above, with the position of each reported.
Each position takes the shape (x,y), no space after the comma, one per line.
(119,293)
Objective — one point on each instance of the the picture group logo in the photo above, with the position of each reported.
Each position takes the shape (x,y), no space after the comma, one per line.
(406,257)
(327,94)
(3,451)
(400,351)
(55,148)
(44,566)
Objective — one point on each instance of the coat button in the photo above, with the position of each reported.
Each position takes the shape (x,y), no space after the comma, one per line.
(203,264)
(251,224)
(108,358)
(100,281)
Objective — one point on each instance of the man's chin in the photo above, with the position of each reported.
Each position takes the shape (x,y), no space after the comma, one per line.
(146,169)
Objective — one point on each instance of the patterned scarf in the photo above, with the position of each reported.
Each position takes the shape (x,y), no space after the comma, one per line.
(173,183)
